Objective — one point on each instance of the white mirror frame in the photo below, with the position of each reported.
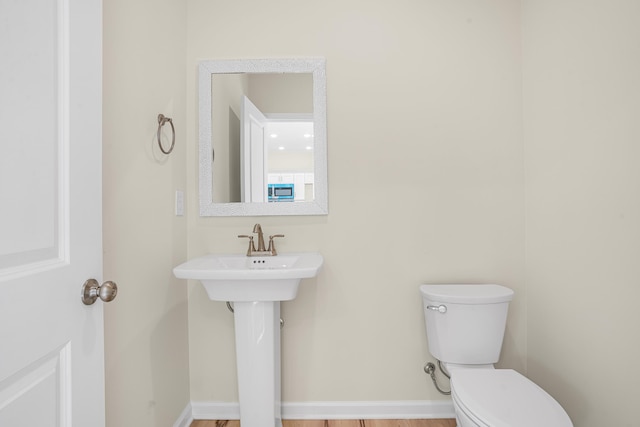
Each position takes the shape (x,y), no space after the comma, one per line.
(316,66)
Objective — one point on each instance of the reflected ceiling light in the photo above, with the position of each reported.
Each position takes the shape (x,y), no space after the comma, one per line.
(274,135)
(280,148)
(308,135)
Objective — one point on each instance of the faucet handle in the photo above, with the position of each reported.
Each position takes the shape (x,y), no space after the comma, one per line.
(272,246)
(252,247)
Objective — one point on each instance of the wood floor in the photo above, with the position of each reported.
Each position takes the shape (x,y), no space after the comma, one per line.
(339,423)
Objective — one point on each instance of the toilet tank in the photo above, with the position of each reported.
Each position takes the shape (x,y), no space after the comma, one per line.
(465,322)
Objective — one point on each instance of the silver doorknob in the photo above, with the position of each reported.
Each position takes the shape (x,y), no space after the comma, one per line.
(91,290)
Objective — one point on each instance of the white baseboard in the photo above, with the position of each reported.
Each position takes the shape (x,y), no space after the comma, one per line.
(215,410)
(368,410)
(411,409)
(186,417)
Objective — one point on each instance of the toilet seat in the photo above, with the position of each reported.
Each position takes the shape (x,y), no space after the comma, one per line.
(504,398)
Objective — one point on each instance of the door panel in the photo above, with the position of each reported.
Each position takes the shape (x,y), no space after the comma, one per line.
(30,131)
(46,381)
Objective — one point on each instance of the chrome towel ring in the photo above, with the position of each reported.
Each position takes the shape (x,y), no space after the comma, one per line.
(161,121)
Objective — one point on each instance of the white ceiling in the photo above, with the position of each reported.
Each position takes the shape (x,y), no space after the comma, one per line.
(289,135)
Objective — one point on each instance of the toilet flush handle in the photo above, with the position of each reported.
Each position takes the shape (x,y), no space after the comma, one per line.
(439,308)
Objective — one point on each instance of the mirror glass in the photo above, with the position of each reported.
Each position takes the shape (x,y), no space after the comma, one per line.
(262,137)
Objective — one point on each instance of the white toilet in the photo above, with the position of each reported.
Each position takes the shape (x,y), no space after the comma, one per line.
(465,328)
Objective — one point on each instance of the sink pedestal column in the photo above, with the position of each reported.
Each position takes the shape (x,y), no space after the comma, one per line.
(257,326)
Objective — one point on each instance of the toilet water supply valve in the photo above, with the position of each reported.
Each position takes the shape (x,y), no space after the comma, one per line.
(430,369)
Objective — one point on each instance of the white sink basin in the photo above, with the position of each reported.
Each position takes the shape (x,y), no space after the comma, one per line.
(241,278)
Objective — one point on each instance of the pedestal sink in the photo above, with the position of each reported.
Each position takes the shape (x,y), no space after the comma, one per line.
(255,285)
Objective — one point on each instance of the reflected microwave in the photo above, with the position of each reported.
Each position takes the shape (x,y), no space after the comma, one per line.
(281,192)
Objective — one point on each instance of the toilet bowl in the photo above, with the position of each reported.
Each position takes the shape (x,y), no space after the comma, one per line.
(503,398)
(465,328)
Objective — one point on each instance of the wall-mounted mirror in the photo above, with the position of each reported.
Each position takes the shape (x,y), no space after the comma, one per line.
(262,139)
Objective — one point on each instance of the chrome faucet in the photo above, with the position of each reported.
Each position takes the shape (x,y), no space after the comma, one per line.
(261,251)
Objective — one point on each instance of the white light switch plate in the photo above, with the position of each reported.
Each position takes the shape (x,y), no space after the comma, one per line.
(179,203)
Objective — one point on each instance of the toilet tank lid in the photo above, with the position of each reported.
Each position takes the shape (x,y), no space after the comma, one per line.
(467,293)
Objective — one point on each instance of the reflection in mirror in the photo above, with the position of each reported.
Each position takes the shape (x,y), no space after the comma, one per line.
(262,137)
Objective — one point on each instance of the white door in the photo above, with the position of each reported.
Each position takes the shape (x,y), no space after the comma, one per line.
(51,344)
(253,153)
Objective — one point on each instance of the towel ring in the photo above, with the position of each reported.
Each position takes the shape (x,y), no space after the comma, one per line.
(161,121)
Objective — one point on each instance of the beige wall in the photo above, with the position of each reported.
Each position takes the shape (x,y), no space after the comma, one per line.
(227,91)
(425,185)
(146,326)
(282,93)
(582,103)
